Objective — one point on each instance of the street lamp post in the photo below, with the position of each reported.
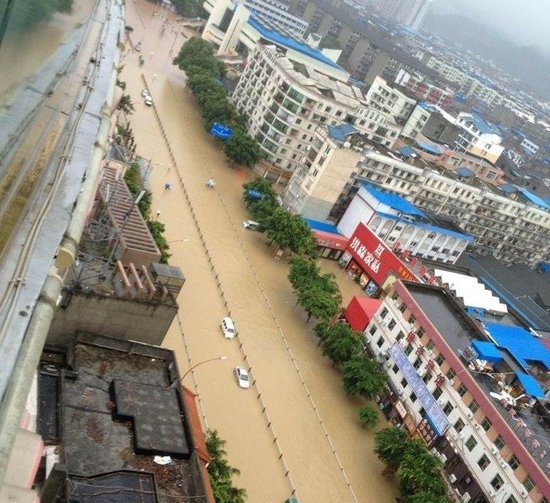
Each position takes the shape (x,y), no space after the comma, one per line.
(195,366)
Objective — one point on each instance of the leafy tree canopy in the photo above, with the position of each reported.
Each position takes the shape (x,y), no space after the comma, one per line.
(341,343)
(190,8)
(263,186)
(318,302)
(303,271)
(368,416)
(363,376)
(242,149)
(390,446)
(199,53)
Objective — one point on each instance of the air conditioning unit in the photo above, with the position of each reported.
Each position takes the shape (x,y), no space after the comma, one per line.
(494,450)
(421,372)
(476,426)
(452,478)
(441,402)
(524,494)
(451,382)
(503,463)
(400,392)
(466,497)
(368,339)
(469,414)
(443,458)
(387,363)
(492,493)
(454,435)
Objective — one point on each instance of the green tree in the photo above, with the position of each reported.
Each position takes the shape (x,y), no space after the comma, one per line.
(341,343)
(390,447)
(190,8)
(24,14)
(318,302)
(199,53)
(363,376)
(221,472)
(242,149)
(132,177)
(303,271)
(218,109)
(368,416)
(200,81)
(321,329)
(125,104)
(330,42)
(157,231)
(261,211)
(121,84)
(420,471)
(426,497)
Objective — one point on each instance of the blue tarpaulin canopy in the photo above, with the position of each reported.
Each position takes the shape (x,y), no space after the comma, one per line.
(487,351)
(531,386)
(254,194)
(407,151)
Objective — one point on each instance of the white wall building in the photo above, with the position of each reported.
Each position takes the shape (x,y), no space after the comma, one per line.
(420,333)
(402,226)
(286,101)
(478,137)
(390,100)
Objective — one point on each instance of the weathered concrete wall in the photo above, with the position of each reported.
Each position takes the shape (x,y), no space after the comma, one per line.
(123,319)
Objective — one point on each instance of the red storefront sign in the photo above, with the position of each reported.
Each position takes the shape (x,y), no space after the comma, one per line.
(328,240)
(374,257)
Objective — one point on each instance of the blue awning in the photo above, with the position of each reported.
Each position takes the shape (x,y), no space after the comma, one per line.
(487,351)
(465,172)
(531,386)
(407,151)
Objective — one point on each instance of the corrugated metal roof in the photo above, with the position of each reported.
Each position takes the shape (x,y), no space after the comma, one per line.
(341,132)
(394,201)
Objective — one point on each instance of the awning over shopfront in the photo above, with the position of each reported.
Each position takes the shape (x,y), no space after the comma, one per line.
(487,351)
(326,235)
(360,311)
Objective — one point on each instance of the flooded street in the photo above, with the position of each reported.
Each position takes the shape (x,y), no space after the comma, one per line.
(295,427)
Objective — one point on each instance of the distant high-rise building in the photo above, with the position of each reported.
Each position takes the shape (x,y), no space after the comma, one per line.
(408,12)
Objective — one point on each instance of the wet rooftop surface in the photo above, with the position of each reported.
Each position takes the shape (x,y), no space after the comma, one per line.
(95,443)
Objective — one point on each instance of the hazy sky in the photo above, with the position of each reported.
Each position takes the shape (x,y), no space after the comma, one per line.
(524,21)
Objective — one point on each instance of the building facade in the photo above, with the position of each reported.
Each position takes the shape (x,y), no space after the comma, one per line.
(286,102)
(387,98)
(425,341)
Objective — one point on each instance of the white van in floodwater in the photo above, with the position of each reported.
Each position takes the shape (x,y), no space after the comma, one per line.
(251,225)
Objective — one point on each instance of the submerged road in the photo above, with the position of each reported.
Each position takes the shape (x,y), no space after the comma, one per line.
(295,428)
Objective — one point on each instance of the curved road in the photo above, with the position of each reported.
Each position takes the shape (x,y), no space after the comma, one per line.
(313,422)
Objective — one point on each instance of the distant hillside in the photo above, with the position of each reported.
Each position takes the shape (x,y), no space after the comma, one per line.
(528,63)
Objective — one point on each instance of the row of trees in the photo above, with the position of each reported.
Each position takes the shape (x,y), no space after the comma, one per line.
(204,71)
(288,232)
(420,473)
(221,472)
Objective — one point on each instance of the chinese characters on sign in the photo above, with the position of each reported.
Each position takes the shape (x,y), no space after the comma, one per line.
(436,417)
(375,258)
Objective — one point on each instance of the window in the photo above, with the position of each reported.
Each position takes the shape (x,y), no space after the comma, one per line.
(450,374)
(372,330)
(528,484)
(384,313)
(420,334)
(430,344)
(486,424)
(447,409)
(462,390)
(471,443)
(395,369)
(408,349)
(412,319)
(437,393)
(439,360)
(400,336)
(474,406)
(511,499)
(497,482)
(404,383)
(413,397)
(483,462)
(499,443)
(513,462)
(391,326)
(459,425)
(380,341)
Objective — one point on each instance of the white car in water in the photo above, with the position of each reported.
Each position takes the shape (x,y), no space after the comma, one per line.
(242,377)
(148,100)
(228,328)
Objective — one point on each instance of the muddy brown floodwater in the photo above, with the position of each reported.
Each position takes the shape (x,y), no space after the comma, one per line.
(328,456)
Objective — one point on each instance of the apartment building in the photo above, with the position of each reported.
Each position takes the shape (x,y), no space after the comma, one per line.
(465,388)
(403,226)
(228,19)
(391,100)
(286,101)
(424,90)
(478,137)
(409,12)
(512,226)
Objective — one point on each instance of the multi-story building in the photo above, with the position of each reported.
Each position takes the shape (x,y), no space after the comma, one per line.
(391,100)
(512,226)
(465,388)
(432,122)
(425,90)
(228,20)
(408,12)
(403,226)
(478,137)
(286,101)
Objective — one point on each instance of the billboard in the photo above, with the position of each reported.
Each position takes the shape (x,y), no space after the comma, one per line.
(436,417)
(375,257)
(220,131)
